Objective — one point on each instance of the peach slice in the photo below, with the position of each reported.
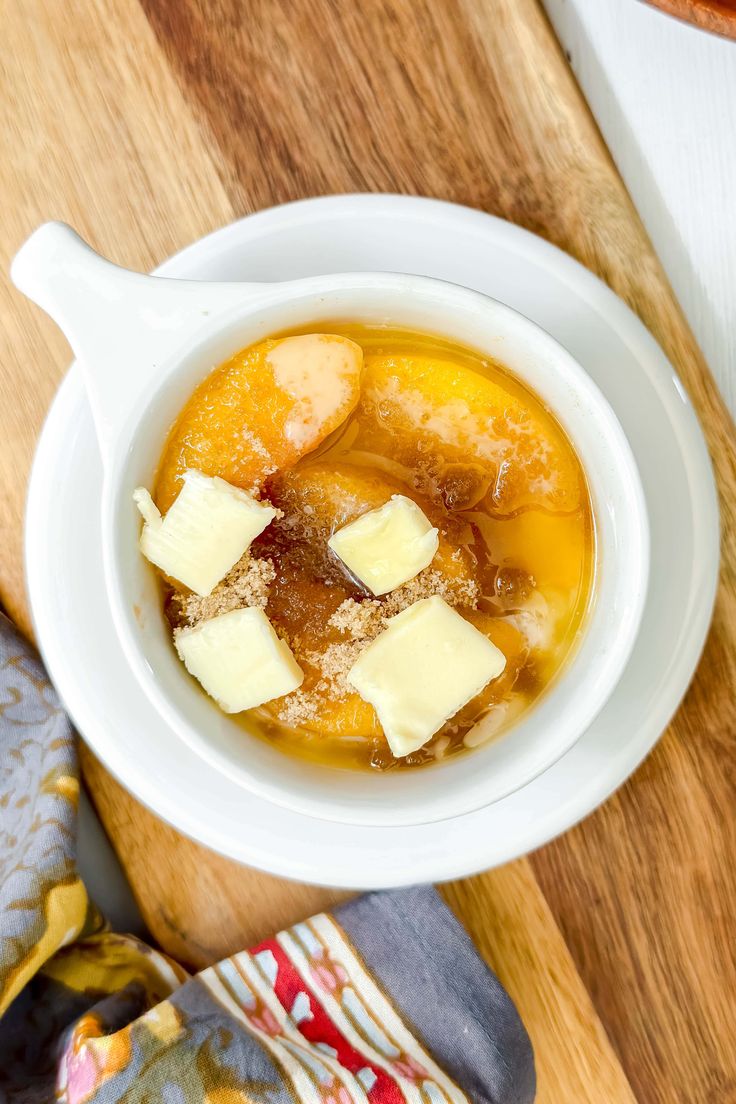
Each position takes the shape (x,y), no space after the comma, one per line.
(329,495)
(350,716)
(436,414)
(262,410)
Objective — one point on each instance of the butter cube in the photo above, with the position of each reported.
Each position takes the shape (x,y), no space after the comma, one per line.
(239,659)
(388,546)
(204,533)
(428,663)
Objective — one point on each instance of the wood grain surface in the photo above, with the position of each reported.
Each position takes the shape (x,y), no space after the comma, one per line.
(146,124)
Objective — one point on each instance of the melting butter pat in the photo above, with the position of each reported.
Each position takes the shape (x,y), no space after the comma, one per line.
(239,659)
(387,547)
(428,663)
(205,532)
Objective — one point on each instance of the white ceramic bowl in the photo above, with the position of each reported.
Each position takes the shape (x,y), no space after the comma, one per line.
(145,342)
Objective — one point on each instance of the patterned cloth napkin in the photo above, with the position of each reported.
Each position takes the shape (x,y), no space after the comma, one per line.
(385,1001)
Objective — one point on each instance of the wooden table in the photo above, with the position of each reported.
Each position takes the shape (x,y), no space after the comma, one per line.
(148,123)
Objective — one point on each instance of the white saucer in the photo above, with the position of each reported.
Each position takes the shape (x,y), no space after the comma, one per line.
(423,236)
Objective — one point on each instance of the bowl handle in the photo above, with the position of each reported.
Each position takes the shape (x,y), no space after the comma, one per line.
(121,325)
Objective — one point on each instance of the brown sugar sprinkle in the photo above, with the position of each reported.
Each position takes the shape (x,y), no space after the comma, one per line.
(334,664)
(430,582)
(299,707)
(246,584)
(362,619)
(356,619)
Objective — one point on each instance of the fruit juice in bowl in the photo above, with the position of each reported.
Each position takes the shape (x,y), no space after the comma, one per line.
(497,526)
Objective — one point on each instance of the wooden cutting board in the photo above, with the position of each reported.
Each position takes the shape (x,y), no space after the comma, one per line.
(147,124)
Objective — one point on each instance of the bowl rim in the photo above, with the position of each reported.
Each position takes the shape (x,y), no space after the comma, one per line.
(280,294)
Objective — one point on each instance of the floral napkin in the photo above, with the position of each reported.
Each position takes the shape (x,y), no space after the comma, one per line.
(384,1001)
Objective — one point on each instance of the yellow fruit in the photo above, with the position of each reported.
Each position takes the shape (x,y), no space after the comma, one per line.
(425,407)
(261,411)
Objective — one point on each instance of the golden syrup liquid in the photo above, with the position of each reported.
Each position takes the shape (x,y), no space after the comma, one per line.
(492,469)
